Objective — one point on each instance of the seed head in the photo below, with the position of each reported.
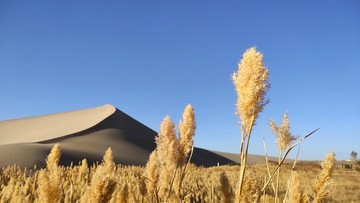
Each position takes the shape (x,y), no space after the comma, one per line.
(187,130)
(322,183)
(167,147)
(108,161)
(282,133)
(53,158)
(251,85)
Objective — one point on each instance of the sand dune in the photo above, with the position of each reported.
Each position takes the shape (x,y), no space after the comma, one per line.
(42,128)
(84,134)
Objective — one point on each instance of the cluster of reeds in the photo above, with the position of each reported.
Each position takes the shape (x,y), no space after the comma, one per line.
(106,182)
(251,85)
(166,168)
(168,175)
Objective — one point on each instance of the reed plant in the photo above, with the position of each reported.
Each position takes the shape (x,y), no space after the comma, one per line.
(102,184)
(251,85)
(167,164)
(284,139)
(50,178)
(322,183)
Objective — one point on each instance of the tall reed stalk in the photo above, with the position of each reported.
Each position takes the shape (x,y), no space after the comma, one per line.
(283,142)
(251,85)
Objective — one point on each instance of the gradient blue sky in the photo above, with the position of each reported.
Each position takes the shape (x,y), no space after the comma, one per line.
(151,58)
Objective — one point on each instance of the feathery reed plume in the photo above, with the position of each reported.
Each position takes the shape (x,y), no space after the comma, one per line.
(167,148)
(50,179)
(108,161)
(103,183)
(187,128)
(53,158)
(152,174)
(168,154)
(83,174)
(282,133)
(283,142)
(251,85)
(323,181)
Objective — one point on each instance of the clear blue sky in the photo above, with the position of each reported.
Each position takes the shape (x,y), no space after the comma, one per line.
(151,58)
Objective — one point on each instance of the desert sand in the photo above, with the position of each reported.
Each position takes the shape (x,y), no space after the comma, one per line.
(84,134)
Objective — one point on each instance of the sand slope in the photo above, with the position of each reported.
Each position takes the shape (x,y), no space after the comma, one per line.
(41,128)
(84,134)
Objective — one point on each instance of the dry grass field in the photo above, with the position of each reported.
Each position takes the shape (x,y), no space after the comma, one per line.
(108,182)
(346,187)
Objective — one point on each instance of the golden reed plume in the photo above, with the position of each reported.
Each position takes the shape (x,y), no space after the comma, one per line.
(282,133)
(251,85)
(187,128)
(322,183)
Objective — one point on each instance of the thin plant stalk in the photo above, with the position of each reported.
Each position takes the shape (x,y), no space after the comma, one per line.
(172,183)
(291,174)
(277,180)
(184,171)
(267,164)
(245,137)
(283,141)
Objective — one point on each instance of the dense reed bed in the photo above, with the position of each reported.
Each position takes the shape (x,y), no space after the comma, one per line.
(108,182)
